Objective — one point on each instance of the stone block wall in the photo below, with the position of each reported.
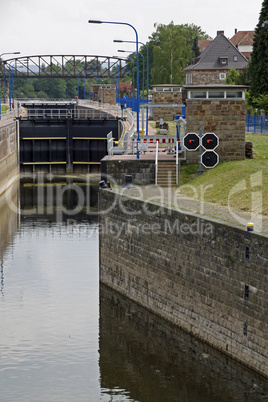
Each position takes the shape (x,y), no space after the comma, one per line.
(167,113)
(109,94)
(208,278)
(225,118)
(143,171)
(9,168)
(208,77)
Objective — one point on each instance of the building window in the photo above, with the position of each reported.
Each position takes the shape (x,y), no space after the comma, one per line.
(222,76)
(167,89)
(198,95)
(216,94)
(223,61)
(189,79)
(235,58)
(234,94)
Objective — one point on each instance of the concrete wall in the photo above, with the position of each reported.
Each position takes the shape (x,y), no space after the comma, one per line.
(9,168)
(191,272)
(225,118)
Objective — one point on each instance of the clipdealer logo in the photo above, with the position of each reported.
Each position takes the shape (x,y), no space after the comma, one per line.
(256,200)
(131,227)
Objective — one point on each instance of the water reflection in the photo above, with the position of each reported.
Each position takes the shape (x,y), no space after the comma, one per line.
(54,344)
(49,305)
(9,221)
(148,360)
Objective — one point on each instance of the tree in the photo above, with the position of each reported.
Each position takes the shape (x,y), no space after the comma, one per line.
(173,47)
(259,57)
(238,77)
(125,88)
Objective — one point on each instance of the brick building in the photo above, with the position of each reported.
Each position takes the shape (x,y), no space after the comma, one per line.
(214,63)
(166,94)
(220,109)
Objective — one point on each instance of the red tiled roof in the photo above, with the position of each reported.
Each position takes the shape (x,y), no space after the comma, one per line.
(203,44)
(247,55)
(243,38)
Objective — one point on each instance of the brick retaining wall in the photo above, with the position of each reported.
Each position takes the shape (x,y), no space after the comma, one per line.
(194,273)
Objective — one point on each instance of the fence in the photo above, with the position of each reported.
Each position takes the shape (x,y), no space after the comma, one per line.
(257,124)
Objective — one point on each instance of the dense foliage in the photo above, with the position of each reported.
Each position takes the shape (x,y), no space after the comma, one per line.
(171,49)
(259,58)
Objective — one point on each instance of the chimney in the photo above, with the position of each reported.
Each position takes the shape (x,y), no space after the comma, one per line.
(235,31)
(220,32)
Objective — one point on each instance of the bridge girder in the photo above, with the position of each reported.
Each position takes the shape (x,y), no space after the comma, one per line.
(65,66)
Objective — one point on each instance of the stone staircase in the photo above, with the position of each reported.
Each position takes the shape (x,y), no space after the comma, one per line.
(166,176)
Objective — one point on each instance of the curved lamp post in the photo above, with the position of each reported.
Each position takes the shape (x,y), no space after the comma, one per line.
(137,54)
(147,75)
(11,85)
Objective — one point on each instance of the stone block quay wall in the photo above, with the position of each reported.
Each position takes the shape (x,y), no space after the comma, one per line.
(225,118)
(208,278)
(114,171)
(9,165)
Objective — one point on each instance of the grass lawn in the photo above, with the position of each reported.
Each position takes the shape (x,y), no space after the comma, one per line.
(4,108)
(238,184)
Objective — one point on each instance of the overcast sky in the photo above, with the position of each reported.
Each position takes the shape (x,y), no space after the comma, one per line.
(36,27)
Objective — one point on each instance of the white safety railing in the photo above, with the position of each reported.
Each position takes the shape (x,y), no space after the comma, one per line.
(125,141)
(110,144)
(160,144)
(156,163)
(148,144)
(12,114)
(79,114)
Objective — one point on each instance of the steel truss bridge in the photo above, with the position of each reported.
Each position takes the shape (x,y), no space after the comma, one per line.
(64,66)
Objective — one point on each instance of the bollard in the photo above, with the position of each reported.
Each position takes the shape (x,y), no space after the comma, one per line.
(128,181)
(250,227)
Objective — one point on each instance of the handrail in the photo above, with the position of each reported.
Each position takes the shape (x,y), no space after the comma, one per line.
(80,114)
(156,163)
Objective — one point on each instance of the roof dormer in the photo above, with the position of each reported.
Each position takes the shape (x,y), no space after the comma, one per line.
(223,60)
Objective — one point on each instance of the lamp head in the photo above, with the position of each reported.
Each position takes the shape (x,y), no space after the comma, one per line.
(94,22)
(118,41)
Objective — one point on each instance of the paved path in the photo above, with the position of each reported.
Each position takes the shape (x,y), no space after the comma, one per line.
(171,197)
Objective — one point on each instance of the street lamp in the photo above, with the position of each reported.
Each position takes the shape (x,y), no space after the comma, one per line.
(137,54)
(9,82)
(147,74)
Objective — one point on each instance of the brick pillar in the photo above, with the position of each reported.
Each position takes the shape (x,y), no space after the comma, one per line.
(225,118)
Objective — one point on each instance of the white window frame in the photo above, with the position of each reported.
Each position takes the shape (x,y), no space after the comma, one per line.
(222,76)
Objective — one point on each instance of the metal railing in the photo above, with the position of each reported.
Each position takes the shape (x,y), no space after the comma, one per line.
(125,141)
(12,114)
(78,114)
(257,124)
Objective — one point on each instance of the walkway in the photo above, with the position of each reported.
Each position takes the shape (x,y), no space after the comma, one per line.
(170,196)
